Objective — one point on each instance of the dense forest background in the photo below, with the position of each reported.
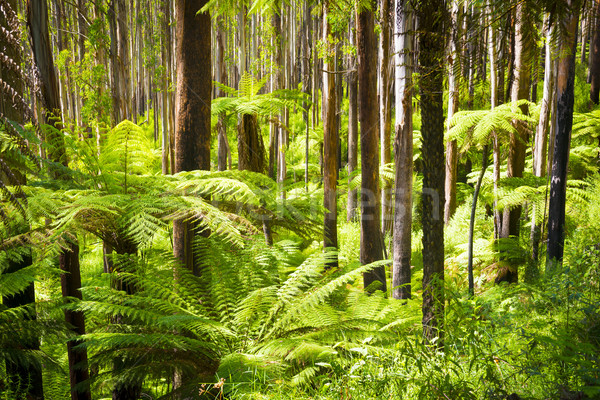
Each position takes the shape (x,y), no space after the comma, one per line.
(276,199)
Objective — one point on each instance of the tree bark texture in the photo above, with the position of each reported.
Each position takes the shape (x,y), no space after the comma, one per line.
(192,105)
(352,128)
(403,151)
(385,111)
(371,246)
(432,15)
(37,22)
(595,55)
(330,150)
(70,282)
(518,142)
(451,145)
(565,83)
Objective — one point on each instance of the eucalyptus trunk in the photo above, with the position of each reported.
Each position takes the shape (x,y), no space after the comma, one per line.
(193,98)
(562,143)
(518,141)
(540,149)
(594,65)
(403,150)
(352,128)
(451,145)
(371,245)
(330,147)
(385,112)
(432,25)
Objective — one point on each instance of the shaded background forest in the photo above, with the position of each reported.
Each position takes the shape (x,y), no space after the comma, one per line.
(297,199)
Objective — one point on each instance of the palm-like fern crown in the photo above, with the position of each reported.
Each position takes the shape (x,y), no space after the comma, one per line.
(246,99)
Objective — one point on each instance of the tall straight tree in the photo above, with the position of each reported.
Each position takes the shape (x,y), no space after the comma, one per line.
(385,110)
(594,72)
(119,61)
(371,245)
(192,103)
(352,125)
(330,143)
(452,146)
(432,16)
(37,21)
(540,150)
(403,150)
(565,83)
(523,53)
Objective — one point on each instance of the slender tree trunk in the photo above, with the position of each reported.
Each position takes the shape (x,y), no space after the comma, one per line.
(403,150)
(432,15)
(484,163)
(223,150)
(330,146)
(371,245)
(165,86)
(517,146)
(306,81)
(565,94)
(451,145)
(385,112)
(594,72)
(540,150)
(352,127)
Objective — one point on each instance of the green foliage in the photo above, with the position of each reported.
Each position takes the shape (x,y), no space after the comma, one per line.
(247,100)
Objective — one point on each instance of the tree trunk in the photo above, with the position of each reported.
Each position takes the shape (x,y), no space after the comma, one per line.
(192,122)
(352,127)
(223,150)
(595,56)
(385,112)
(166,56)
(517,145)
(330,147)
(403,151)
(37,21)
(70,281)
(451,146)
(251,150)
(562,143)
(371,246)
(484,163)
(432,15)
(540,150)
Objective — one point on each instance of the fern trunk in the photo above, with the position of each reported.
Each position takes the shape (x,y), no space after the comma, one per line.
(371,245)
(70,281)
(432,15)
